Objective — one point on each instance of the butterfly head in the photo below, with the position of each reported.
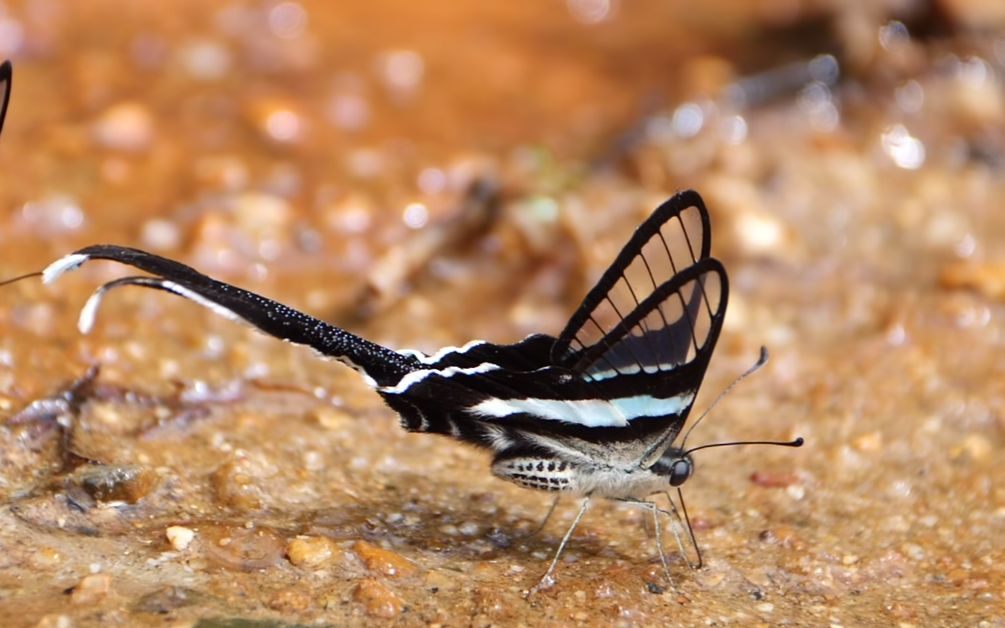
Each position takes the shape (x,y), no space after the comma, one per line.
(676,465)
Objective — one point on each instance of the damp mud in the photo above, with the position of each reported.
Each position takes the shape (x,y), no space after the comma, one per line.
(426,174)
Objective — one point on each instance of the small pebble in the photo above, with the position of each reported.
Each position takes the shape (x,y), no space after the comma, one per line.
(913,550)
(47,557)
(241,549)
(469,528)
(91,589)
(987,278)
(377,599)
(975,446)
(439,580)
(116,483)
(179,537)
(55,621)
(309,551)
(900,489)
(796,491)
(235,483)
(289,601)
(383,561)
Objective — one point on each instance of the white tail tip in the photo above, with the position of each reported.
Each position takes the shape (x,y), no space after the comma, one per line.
(61,266)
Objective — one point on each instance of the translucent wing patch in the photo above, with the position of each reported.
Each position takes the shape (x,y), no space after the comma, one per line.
(677,324)
(5,84)
(674,238)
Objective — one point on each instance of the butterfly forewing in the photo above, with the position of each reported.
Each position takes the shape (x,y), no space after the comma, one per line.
(673,239)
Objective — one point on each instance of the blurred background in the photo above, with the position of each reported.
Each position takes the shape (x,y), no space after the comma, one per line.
(428,173)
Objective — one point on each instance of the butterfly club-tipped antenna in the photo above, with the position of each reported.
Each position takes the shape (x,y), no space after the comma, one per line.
(762,359)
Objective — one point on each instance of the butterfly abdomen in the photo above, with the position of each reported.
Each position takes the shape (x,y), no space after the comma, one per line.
(538,472)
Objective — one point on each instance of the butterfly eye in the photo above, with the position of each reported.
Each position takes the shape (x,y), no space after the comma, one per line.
(680,472)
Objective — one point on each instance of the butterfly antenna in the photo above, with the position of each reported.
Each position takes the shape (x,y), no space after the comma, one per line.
(797,442)
(761,361)
(17,279)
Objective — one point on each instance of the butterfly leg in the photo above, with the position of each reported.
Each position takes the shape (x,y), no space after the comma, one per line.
(659,542)
(656,511)
(548,580)
(544,522)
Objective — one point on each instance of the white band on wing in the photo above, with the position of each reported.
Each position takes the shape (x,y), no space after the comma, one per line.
(588,412)
(415,377)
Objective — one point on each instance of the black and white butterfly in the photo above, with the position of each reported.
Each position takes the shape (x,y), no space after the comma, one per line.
(593,412)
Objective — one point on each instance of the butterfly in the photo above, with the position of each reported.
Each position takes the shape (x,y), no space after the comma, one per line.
(593,412)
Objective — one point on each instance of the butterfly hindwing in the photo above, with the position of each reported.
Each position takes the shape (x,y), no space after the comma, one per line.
(378,364)
(674,327)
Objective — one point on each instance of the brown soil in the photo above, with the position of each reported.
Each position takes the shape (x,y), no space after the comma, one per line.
(428,173)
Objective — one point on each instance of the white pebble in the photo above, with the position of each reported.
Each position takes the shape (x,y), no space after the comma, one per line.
(469,528)
(179,537)
(796,491)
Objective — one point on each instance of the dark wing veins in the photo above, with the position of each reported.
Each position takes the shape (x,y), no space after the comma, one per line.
(672,239)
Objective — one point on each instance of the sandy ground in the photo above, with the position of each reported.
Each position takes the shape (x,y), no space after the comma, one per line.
(423,175)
